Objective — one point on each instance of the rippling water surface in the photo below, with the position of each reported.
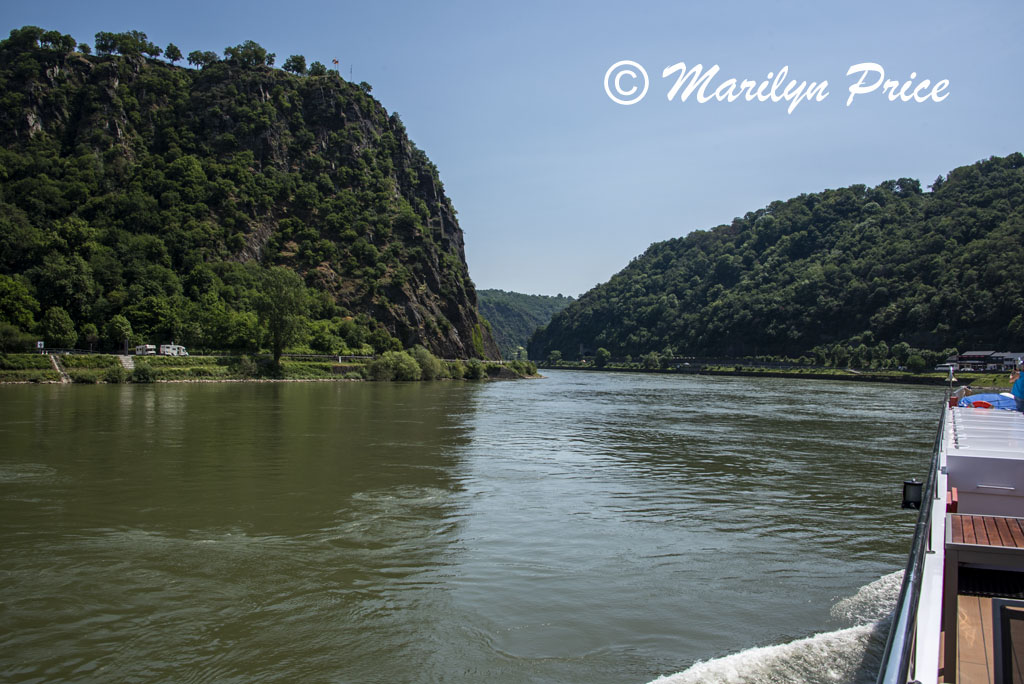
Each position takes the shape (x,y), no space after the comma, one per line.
(583,528)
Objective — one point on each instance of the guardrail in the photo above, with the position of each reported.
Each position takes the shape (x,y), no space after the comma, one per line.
(899,646)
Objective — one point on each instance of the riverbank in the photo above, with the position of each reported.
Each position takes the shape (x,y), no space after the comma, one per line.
(996,381)
(115,369)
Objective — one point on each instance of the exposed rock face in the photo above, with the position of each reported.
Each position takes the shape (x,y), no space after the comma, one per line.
(308,172)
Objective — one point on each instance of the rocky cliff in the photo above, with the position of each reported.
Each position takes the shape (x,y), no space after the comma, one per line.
(135,187)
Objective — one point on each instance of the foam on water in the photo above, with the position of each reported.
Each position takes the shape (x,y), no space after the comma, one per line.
(872,602)
(846,656)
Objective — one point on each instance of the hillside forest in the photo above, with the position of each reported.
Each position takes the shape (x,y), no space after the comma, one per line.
(146,201)
(861,276)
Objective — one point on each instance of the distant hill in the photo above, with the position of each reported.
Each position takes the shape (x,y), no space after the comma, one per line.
(514,316)
(140,193)
(857,270)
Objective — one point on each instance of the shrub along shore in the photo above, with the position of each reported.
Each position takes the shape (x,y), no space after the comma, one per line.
(415,364)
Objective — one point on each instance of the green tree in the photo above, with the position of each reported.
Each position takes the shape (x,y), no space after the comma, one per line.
(901,351)
(555,357)
(652,360)
(860,356)
(172,53)
(395,365)
(17,305)
(105,43)
(91,335)
(282,304)
(119,331)
(323,339)
(430,366)
(202,59)
(249,53)
(295,64)
(317,69)
(881,351)
(475,370)
(57,328)
(11,338)
(916,363)
(127,43)
(381,341)
(55,40)
(455,369)
(602,357)
(1016,327)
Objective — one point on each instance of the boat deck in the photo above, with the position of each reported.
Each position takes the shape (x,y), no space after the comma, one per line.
(984,547)
(985,621)
(974,635)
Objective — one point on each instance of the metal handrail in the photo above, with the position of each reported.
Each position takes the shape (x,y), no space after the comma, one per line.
(899,646)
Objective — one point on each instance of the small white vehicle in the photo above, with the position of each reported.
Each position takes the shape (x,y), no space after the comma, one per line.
(172,350)
(145,350)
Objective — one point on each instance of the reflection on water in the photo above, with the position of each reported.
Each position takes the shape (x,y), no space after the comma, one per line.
(582,528)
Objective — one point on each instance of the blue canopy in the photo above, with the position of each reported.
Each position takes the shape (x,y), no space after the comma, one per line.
(997,400)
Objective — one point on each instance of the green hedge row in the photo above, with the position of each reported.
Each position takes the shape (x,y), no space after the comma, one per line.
(182,361)
(25,362)
(70,361)
(29,375)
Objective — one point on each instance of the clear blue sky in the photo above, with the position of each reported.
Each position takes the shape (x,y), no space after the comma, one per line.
(557,187)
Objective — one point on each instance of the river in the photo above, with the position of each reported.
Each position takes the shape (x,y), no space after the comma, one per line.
(583,528)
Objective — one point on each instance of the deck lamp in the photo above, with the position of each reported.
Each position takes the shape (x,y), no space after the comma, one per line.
(912,490)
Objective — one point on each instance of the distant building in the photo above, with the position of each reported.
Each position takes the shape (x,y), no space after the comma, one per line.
(1009,360)
(975,360)
(987,360)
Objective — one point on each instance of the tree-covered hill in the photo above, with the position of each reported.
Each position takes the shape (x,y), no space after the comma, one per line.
(514,316)
(137,192)
(856,270)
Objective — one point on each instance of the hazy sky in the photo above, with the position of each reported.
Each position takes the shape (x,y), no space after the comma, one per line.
(557,186)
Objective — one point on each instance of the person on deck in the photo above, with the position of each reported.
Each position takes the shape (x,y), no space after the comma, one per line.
(1018,388)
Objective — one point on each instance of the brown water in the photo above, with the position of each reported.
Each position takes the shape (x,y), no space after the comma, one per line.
(583,528)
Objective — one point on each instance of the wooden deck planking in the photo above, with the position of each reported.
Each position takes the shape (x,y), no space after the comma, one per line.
(1017,532)
(1004,531)
(980,531)
(992,529)
(987,530)
(968,529)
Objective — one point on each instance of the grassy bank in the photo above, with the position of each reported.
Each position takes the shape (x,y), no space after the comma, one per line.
(417,364)
(27,368)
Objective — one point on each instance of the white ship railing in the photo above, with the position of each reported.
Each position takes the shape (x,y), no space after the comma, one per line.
(898,657)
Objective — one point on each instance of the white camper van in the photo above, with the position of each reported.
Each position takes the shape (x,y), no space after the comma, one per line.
(145,350)
(172,350)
